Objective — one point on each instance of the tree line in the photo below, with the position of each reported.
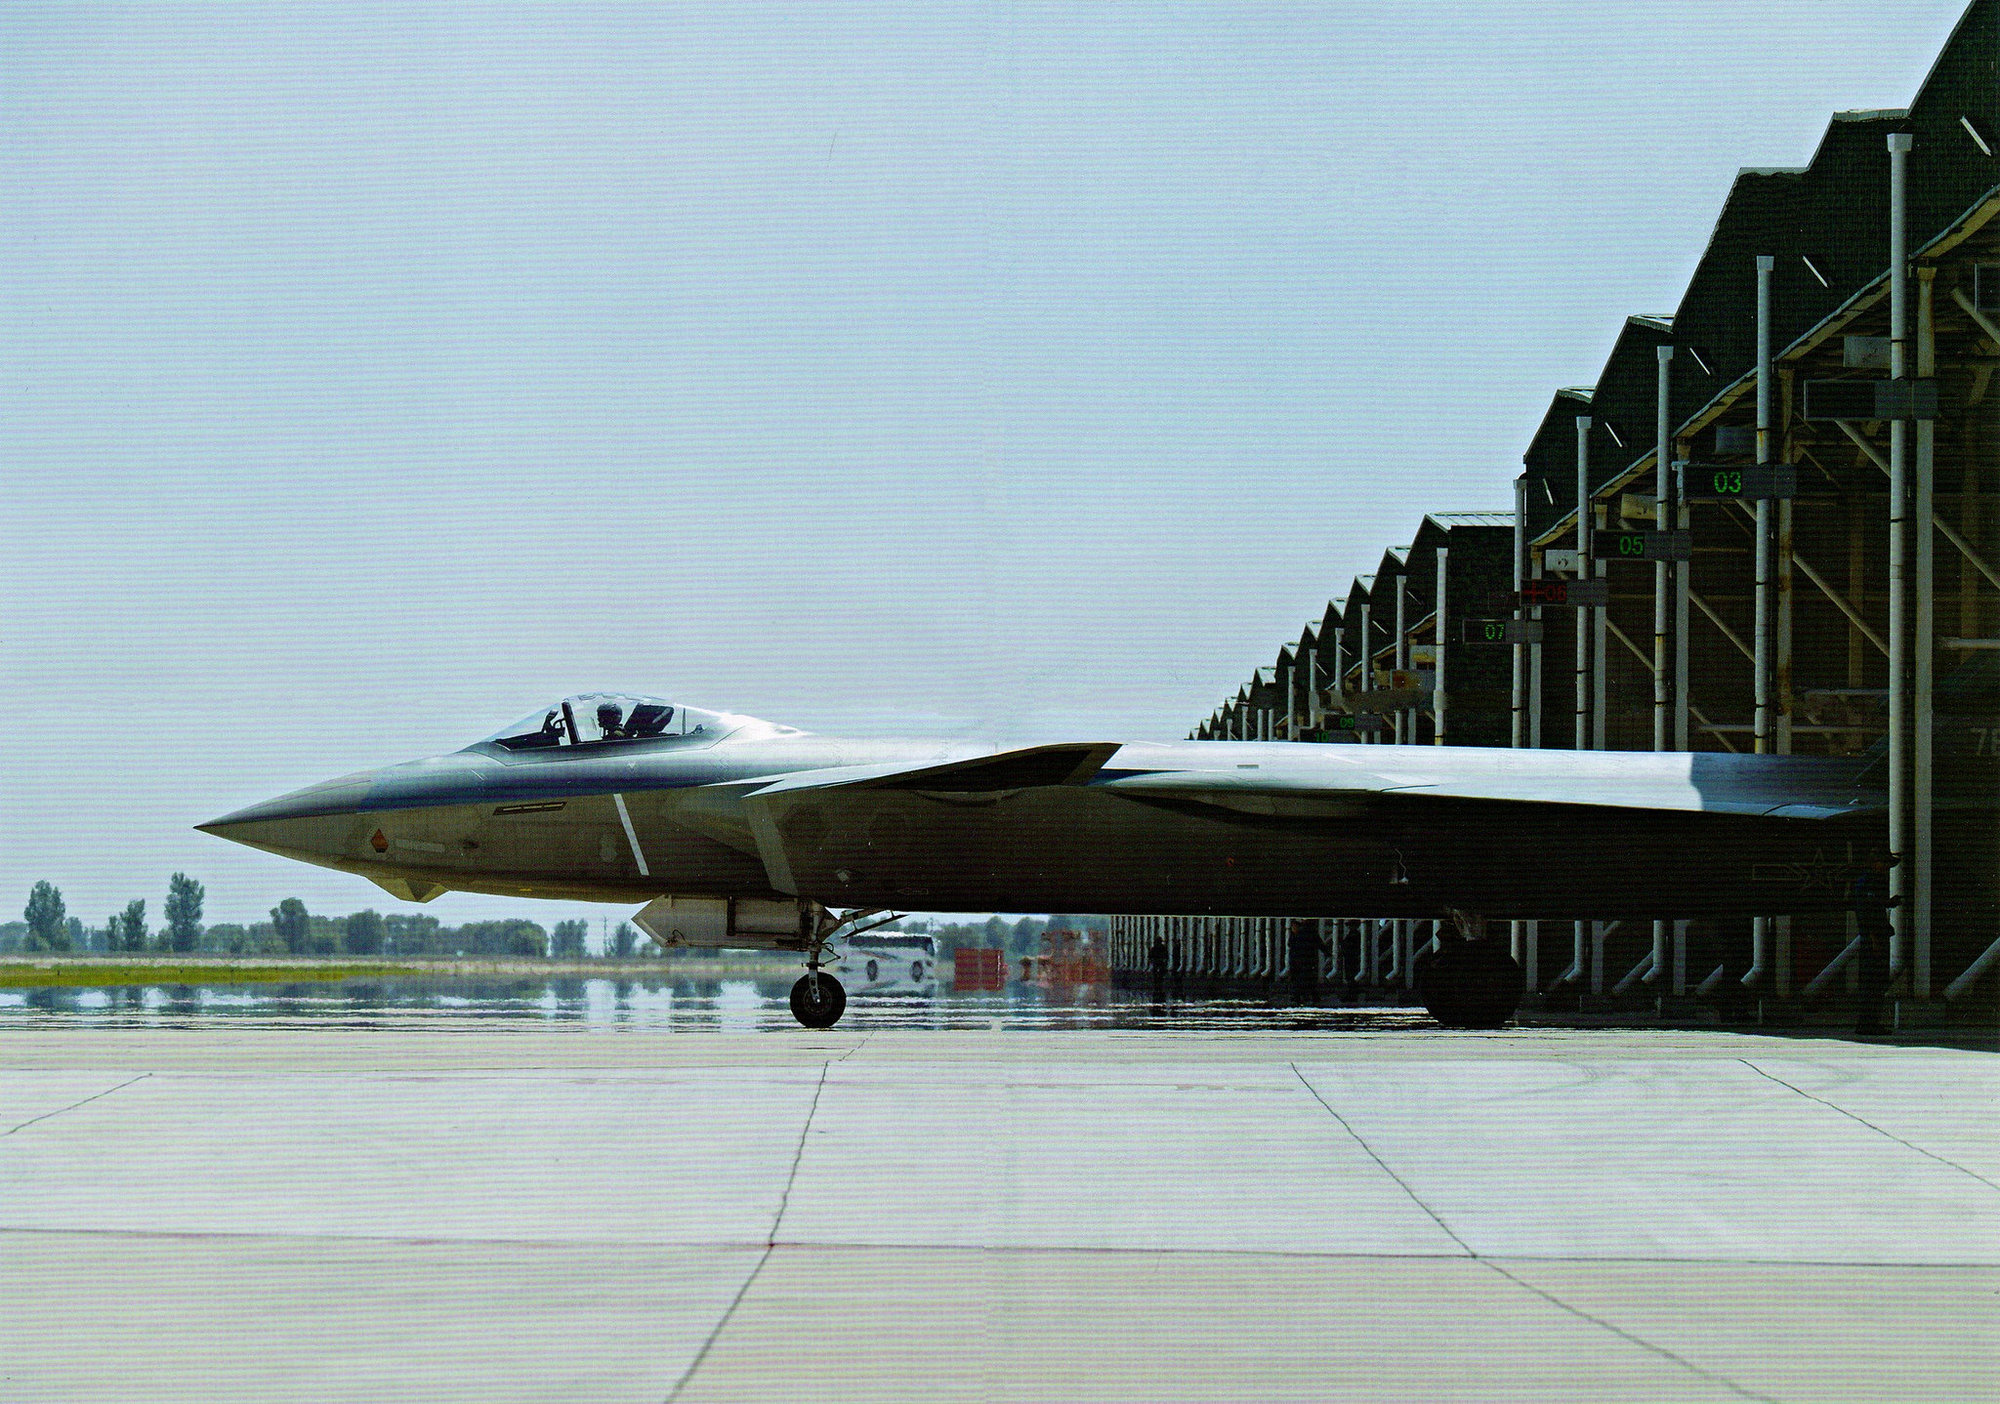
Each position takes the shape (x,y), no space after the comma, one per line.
(48,927)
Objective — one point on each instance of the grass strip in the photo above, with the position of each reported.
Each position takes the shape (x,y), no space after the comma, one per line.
(81,974)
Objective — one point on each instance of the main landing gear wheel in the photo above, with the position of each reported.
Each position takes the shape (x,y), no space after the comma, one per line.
(818,1001)
(1471,985)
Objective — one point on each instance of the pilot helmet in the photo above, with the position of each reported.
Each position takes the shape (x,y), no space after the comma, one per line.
(609,714)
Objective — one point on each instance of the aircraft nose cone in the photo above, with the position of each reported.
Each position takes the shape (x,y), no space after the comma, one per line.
(312,823)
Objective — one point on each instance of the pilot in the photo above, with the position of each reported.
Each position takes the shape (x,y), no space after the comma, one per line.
(610,721)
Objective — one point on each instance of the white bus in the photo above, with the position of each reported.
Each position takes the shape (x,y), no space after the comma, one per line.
(882,960)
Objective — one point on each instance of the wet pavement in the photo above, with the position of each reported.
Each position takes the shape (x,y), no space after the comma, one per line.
(669,1005)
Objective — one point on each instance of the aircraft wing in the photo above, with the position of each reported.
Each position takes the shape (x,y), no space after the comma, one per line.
(1288,778)
(790,817)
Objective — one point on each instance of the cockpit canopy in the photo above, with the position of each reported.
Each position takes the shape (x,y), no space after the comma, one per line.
(609,718)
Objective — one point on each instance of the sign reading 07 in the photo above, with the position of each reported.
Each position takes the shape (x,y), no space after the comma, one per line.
(1502,631)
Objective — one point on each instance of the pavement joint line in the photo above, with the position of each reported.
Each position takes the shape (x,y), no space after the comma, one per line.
(1106,1250)
(1834,1106)
(73,1105)
(1620,1332)
(1489,1264)
(1401,1184)
(770,1243)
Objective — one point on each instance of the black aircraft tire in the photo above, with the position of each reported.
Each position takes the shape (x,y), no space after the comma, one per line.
(1471,985)
(821,1007)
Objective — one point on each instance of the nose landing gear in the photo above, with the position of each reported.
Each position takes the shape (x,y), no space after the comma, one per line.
(818,1001)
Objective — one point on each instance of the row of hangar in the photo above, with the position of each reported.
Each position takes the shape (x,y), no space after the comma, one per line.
(1772,524)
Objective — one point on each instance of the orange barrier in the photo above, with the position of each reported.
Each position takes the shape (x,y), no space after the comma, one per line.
(978,968)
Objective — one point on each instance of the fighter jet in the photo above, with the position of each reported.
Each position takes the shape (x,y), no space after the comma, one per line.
(735,832)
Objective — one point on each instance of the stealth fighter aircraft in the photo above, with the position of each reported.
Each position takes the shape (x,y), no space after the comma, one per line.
(735,832)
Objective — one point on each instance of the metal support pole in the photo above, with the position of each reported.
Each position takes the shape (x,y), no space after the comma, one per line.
(1663,494)
(1899,644)
(1517,731)
(1582,741)
(1313,709)
(1972,972)
(1531,942)
(1292,700)
(1683,578)
(1406,720)
(1600,664)
(1535,698)
(1761,665)
(1760,950)
(1438,651)
(1642,971)
(1781,682)
(1923,648)
(1340,660)
(1367,664)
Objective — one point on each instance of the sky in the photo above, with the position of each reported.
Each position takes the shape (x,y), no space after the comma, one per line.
(370,376)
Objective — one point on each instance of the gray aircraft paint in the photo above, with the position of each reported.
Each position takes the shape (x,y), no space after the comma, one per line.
(757,811)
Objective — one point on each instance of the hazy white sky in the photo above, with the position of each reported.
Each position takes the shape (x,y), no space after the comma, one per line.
(369,376)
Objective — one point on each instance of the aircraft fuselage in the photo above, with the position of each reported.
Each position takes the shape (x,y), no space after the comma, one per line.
(1183,828)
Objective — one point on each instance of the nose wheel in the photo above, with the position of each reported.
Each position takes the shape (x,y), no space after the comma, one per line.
(818,1001)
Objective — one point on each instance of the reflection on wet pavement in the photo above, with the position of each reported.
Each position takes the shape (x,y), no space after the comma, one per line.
(666,1005)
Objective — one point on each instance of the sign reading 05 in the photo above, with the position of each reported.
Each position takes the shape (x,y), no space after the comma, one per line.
(1649,546)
